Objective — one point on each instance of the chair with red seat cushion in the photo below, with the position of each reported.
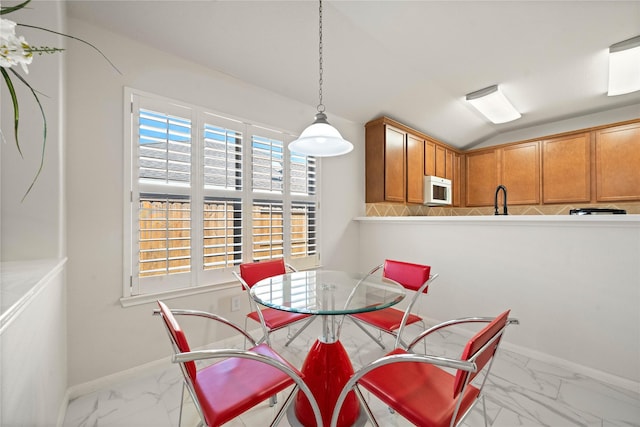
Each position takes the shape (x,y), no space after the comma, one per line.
(270,319)
(240,380)
(415,278)
(418,388)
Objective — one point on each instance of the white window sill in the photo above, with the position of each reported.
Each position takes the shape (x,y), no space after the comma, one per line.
(150,298)
(130,301)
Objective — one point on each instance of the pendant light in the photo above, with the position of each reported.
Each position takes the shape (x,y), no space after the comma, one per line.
(320,139)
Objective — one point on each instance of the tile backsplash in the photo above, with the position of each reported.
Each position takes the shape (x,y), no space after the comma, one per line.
(400,209)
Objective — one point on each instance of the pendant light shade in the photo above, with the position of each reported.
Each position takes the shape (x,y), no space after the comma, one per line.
(320,139)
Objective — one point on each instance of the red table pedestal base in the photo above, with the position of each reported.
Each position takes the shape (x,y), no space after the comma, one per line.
(326,370)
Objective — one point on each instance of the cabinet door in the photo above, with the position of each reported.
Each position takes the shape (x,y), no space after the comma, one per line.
(521,173)
(481,179)
(394,161)
(429,158)
(374,163)
(618,163)
(448,164)
(441,162)
(456,180)
(566,166)
(449,169)
(415,169)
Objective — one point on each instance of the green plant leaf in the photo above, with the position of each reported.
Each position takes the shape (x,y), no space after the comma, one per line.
(16,110)
(74,38)
(10,9)
(11,88)
(44,129)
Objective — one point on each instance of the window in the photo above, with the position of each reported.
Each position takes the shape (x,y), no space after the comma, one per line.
(208,192)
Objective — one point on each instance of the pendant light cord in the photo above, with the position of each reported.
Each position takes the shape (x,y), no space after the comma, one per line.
(320,139)
(320,105)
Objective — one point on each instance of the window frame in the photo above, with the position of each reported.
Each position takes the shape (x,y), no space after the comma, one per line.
(198,279)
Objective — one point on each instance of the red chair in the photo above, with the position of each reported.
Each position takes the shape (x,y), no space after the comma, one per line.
(417,388)
(270,319)
(244,378)
(415,278)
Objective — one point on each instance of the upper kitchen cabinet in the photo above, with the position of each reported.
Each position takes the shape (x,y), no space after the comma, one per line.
(429,158)
(415,169)
(617,160)
(397,159)
(516,166)
(599,164)
(457,179)
(444,163)
(481,177)
(441,162)
(385,163)
(520,173)
(566,165)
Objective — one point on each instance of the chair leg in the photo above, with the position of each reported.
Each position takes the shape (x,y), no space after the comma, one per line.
(378,341)
(365,406)
(484,411)
(195,404)
(181,405)
(265,338)
(283,410)
(244,346)
(299,331)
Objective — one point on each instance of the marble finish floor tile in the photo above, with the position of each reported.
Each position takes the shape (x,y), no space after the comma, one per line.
(520,391)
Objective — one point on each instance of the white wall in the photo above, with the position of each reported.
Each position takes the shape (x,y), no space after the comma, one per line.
(573,282)
(34,228)
(105,338)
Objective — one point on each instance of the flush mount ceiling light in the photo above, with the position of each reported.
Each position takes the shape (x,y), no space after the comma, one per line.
(492,103)
(624,67)
(320,139)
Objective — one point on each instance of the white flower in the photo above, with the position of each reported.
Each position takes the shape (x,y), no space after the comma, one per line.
(13,49)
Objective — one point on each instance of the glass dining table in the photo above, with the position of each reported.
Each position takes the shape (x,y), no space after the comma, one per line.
(331,295)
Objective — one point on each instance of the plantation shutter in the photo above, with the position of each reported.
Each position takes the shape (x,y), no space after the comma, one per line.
(207,192)
(223,165)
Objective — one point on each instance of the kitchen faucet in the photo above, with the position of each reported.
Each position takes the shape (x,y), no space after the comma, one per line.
(495,202)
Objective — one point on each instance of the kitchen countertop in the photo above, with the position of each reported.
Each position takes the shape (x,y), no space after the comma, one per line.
(564,220)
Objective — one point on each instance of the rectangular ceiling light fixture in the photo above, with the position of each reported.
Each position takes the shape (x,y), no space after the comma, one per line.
(492,103)
(624,67)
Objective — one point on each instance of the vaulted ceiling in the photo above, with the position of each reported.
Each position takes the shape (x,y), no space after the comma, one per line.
(411,60)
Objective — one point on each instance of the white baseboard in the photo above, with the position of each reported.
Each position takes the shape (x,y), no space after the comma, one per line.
(576,368)
(62,411)
(118,377)
(98,384)
(586,371)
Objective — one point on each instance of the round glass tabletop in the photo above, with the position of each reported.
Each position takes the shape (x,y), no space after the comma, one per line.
(327,292)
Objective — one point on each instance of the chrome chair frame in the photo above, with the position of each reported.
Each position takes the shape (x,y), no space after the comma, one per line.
(465,365)
(253,306)
(397,334)
(182,358)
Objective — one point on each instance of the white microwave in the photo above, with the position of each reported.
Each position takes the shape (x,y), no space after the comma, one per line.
(437,191)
